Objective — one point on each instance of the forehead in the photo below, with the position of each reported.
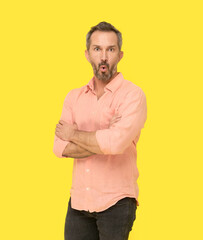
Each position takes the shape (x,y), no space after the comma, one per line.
(104,38)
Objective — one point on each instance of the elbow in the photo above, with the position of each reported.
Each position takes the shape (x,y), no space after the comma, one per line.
(59,147)
(58,152)
(114,143)
(118,148)
(119,141)
(119,144)
(115,147)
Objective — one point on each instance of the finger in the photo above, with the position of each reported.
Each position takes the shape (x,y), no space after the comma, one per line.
(62,122)
(59,128)
(58,134)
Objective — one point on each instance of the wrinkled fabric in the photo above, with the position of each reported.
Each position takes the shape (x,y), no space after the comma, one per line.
(100,180)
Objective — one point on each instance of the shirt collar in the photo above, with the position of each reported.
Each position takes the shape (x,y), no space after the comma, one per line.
(113,85)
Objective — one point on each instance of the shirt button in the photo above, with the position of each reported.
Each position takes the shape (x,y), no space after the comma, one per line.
(87,170)
(87,188)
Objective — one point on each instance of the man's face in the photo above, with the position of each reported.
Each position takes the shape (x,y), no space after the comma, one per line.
(104,54)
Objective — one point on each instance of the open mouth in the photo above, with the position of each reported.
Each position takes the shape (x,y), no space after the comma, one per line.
(103,68)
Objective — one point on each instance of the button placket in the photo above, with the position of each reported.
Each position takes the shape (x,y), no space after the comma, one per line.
(87,176)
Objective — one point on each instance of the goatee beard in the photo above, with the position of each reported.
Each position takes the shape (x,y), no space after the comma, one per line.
(104,77)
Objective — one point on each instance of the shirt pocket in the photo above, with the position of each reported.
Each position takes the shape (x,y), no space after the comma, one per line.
(106,116)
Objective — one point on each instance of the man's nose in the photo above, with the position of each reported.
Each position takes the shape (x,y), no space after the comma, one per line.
(104,56)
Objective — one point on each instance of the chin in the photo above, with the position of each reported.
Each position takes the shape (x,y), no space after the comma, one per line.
(104,78)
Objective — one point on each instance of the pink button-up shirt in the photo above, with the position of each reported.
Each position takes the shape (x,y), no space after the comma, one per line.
(100,180)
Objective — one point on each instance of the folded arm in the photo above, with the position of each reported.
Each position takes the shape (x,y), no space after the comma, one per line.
(86,140)
(118,136)
(83,140)
(73,150)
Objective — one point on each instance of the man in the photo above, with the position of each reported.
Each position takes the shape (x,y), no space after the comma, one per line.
(100,127)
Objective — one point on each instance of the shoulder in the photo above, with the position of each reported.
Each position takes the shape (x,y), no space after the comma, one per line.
(73,94)
(130,89)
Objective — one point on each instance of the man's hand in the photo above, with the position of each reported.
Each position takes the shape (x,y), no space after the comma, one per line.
(65,131)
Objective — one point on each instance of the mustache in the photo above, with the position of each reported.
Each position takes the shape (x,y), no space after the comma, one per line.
(103,63)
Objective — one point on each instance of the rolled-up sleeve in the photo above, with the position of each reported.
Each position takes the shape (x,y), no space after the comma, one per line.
(67,116)
(119,136)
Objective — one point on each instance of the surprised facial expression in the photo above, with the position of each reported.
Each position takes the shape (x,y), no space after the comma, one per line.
(104,54)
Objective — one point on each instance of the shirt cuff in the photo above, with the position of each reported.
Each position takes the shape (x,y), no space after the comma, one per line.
(59,147)
(103,141)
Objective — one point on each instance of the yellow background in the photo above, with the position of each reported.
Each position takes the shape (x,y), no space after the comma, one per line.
(42,59)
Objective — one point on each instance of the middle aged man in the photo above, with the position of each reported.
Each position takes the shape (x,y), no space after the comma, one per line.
(99,127)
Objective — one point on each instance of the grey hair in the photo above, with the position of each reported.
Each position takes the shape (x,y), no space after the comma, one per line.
(104,27)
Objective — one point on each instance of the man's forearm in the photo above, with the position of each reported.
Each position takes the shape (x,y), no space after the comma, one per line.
(72,150)
(86,140)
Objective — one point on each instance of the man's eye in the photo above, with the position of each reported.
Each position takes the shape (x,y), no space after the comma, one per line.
(96,49)
(111,49)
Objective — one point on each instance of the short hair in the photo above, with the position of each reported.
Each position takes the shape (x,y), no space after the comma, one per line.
(104,27)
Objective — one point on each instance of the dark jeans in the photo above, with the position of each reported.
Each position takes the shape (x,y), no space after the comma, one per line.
(115,223)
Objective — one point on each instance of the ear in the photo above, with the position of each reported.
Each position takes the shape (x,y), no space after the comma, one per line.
(87,55)
(120,55)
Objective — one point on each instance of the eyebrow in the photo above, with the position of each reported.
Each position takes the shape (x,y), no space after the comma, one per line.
(108,46)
